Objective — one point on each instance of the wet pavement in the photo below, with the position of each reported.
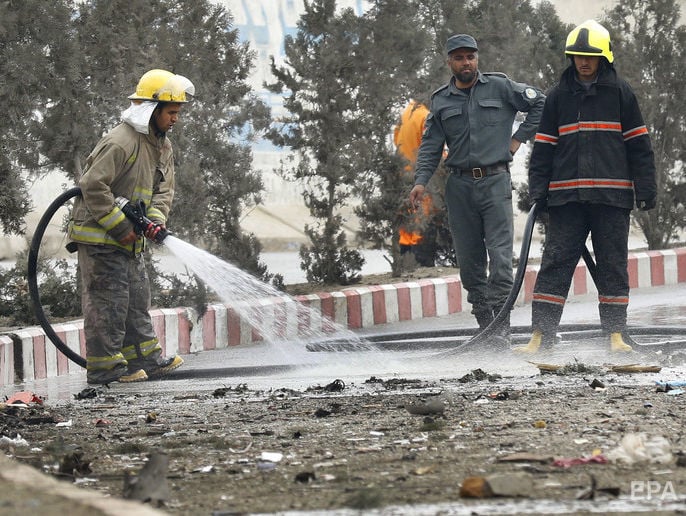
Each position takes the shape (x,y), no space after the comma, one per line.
(291,365)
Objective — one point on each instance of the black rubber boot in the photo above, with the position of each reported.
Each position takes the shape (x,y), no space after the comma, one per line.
(483,318)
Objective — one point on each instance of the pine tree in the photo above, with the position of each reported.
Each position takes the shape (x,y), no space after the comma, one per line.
(30,35)
(389,71)
(649,46)
(321,126)
(68,83)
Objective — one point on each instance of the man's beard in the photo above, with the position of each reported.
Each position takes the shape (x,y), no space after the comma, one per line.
(465,76)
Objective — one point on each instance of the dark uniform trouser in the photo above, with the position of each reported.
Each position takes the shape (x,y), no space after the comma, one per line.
(481,223)
(566,236)
(115,301)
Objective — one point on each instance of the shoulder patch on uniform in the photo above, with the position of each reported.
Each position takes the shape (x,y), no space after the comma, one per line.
(496,74)
(440,89)
(530,93)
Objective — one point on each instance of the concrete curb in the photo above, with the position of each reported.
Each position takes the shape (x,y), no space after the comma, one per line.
(27,354)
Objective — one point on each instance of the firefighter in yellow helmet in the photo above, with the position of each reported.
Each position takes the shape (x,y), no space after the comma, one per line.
(133,161)
(592,162)
(590,39)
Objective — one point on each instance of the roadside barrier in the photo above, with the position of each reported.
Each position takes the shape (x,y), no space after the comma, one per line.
(27,354)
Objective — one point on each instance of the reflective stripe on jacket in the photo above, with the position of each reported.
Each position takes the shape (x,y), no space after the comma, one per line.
(592,145)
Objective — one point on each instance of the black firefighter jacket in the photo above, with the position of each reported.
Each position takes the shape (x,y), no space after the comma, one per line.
(592,146)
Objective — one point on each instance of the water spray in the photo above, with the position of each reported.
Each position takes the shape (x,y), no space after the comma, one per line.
(456,339)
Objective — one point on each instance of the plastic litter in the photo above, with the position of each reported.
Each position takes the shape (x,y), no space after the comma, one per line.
(6,442)
(640,447)
(271,456)
(673,383)
(25,397)
(578,461)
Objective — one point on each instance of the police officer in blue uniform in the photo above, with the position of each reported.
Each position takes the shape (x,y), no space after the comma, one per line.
(473,115)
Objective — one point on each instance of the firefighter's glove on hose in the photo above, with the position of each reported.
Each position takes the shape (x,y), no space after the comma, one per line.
(142,224)
(156,232)
(646,204)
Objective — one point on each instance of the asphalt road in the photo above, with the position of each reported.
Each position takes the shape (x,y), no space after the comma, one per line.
(291,365)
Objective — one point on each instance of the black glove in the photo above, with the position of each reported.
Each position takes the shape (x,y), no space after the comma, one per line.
(646,204)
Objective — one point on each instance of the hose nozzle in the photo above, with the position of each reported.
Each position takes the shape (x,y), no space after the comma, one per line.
(142,224)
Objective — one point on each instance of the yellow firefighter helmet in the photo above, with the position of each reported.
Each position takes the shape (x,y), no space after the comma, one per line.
(589,39)
(163,86)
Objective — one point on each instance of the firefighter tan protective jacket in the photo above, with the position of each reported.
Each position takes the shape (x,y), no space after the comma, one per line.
(139,167)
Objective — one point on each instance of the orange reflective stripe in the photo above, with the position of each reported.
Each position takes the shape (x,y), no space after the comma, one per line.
(546,138)
(564,129)
(590,126)
(600,126)
(622,184)
(633,133)
(613,300)
(548,298)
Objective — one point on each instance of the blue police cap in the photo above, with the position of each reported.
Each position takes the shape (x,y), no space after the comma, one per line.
(460,41)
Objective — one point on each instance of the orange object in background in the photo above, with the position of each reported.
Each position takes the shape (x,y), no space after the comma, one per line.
(408,238)
(407,137)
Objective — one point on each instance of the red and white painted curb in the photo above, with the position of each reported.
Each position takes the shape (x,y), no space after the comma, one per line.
(27,354)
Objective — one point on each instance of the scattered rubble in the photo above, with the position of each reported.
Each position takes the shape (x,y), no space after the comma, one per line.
(230,449)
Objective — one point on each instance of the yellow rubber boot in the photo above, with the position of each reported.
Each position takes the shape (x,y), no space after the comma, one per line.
(617,343)
(533,346)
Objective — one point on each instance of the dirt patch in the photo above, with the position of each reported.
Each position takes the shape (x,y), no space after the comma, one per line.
(373,280)
(382,442)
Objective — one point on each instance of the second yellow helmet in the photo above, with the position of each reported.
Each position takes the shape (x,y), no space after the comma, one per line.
(589,39)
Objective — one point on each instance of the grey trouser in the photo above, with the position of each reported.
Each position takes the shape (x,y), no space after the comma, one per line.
(480,214)
(115,299)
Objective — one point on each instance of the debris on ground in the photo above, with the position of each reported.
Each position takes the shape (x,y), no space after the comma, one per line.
(578,461)
(581,368)
(430,406)
(150,484)
(478,375)
(386,441)
(641,447)
(24,397)
(511,485)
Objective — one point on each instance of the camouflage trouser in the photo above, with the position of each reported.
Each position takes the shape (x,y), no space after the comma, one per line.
(115,302)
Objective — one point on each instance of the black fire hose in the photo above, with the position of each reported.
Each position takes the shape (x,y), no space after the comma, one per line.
(492,329)
(33,281)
